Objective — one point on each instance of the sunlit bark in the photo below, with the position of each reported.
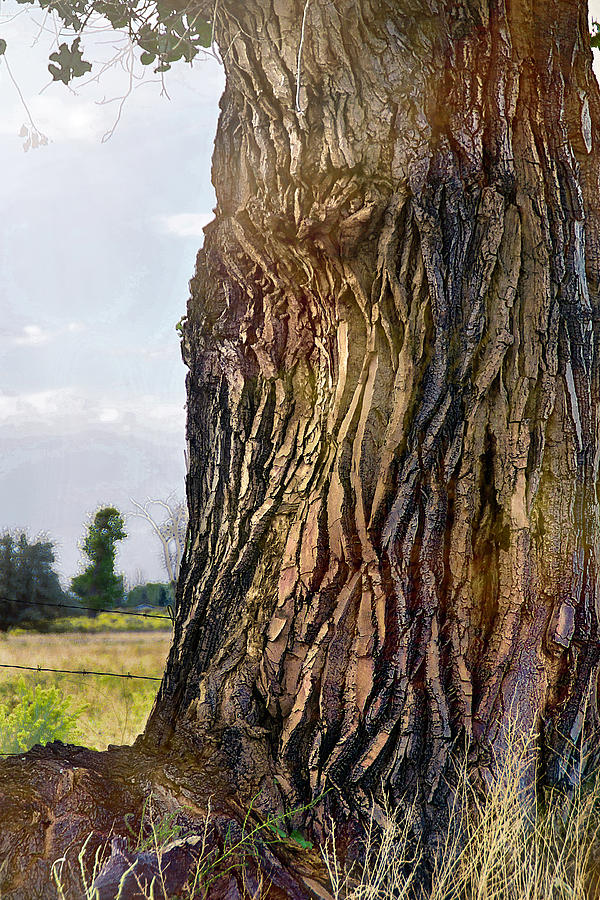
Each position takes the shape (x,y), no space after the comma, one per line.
(392,399)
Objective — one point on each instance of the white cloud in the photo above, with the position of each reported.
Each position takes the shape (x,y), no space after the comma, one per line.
(66,118)
(31,336)
(37,336)
(185,225)
(59,116)
(68,411)
(109,414)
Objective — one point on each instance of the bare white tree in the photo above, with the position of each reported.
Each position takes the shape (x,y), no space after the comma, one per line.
(171,531)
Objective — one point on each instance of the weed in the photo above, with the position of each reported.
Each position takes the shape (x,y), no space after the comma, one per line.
(36,715)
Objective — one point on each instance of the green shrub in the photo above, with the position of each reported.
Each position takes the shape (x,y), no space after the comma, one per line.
(36,715)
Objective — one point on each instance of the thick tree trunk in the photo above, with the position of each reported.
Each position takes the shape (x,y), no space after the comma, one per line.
(393,400)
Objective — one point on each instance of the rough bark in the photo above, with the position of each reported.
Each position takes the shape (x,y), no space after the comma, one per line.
(392,401)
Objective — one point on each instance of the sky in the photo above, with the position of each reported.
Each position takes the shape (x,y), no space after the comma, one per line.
(98,237)
(97,245)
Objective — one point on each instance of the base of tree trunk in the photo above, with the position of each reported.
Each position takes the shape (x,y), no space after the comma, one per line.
(59,800)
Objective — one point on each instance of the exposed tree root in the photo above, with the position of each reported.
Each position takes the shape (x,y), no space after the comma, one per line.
(79,812)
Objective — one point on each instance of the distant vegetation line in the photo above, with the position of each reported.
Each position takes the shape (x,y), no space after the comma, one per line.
(118,612)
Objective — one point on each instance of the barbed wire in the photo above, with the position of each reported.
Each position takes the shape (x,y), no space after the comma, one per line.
(118,612)
(79,672)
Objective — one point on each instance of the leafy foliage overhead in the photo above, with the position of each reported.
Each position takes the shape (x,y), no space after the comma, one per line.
(164,30)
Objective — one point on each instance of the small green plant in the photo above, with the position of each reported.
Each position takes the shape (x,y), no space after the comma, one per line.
(156,831)
(153,833)
(36,715)
(213,864)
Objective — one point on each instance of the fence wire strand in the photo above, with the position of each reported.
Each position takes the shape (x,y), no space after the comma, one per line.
(79,672)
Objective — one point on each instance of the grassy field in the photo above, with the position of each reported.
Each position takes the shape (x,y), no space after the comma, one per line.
(113,710)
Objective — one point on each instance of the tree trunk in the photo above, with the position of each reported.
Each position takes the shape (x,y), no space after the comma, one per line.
(392,401)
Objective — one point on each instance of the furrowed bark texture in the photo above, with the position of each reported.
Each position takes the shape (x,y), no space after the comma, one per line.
(392,342)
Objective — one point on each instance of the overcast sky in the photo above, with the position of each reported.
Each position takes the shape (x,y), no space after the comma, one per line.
(97,244)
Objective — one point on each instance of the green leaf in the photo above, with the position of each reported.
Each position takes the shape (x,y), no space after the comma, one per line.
(67,12)
(147,39)
(204,30)
(178,25)
(299,839)
(118,14)
(147,59)
(189,52)
(278,831)
(2,46)
(164,42)
(70,63)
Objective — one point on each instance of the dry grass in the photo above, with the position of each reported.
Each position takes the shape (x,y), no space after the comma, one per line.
(508,847)
(115,708)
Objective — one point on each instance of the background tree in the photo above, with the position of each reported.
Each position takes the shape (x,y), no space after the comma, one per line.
(27,577)
(152,593)
(98,586)
(171,532)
